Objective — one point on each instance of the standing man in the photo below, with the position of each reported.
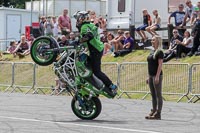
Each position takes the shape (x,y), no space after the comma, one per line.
(42,28)
(64,23)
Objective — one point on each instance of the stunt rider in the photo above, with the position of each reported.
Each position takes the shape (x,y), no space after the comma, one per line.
(89,36)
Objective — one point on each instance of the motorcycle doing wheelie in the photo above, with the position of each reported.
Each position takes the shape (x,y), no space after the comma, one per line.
(71,65)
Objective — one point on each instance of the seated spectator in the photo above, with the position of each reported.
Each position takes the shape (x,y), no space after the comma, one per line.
(155,25)
(22,48)
(171,52)
(146,22)
(72,39)
(109,44)
(185,46)
(63,42)
(104,36)
(179,17)
(127,46)
(118,41)
(11,48)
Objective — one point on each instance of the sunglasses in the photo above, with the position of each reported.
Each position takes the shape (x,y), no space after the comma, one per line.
(175,32)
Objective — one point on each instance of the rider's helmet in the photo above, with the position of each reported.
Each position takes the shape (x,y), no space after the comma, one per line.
(81,16)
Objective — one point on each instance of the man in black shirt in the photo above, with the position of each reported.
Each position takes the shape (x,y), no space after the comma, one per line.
(171,52)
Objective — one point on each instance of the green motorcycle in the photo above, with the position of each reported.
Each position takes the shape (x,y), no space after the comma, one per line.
(71,65)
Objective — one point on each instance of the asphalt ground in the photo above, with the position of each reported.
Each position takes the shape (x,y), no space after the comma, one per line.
(20,113)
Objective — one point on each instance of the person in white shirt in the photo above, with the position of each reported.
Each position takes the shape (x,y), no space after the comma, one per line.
(55,27)
(185,46)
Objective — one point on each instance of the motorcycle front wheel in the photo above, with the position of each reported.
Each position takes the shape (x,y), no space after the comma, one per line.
(86,109)
(42,51)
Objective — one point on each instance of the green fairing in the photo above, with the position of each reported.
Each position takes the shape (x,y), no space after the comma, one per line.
(95,42)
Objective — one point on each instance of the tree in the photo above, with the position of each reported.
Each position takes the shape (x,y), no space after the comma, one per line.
(14,3)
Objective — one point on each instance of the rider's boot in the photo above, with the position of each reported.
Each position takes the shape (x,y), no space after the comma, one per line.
(113,88)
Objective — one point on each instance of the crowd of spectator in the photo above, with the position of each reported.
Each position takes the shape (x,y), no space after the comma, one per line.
(183,43)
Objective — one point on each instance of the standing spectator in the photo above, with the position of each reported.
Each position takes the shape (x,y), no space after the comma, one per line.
(196,35)
(127,46)
(48,25)
(118,41)
(195,13)
(41,26)
(55,27)
(102,23)
(22,48)
(64,23)
(146,22)
(155,25)
(171,52)
(184,46)
(155,61)
(179,18)
(93,18)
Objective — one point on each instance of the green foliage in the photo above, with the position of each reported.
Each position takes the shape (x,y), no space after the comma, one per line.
(14,3)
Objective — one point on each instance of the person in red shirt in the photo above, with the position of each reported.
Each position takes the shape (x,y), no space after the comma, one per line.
(64,23)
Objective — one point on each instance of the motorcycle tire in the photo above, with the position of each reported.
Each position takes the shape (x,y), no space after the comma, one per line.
(38,48)
(92,108)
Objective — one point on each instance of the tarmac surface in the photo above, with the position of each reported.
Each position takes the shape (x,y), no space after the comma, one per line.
(20,113)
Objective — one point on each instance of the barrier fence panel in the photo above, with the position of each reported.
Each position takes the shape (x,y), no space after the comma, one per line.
(6,74)
(195,82)
(176,79)
(132,78)
(111,69)
(23,76)
(44,79)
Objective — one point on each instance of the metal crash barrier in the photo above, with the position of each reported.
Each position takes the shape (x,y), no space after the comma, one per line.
(6,75)
(23,76)
(178,78)
(44,79)
(195,82)
(132,79)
